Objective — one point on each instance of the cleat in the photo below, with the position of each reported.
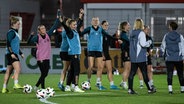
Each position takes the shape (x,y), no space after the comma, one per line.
(72,87)
(97,84)
(141,86)
(131,92)
(153,90)
(61,87)
(67,89)
(153,87)
(77,89)
(182,91)
(5,90)
(114,87)
(170,92)
(17,86)
(101,88)
(123,85)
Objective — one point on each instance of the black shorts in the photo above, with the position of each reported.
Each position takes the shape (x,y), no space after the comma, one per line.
(64,56)
(125,56)
(11,60)
(94,54)
(106,56)
(149,60)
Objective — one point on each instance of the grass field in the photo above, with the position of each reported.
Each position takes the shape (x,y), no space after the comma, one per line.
(94,96)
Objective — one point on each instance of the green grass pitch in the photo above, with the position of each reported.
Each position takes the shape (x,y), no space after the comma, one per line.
(94,96)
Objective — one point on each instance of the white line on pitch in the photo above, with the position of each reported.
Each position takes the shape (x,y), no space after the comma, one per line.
(71,94)
(93,93)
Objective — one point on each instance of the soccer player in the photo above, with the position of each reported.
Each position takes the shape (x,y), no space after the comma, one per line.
(138,58)
(43,44)
(172,47)
(65,59)
(64,54)
(12,52)
(125,56)
(74,51)
(107,61)
(94,48)
(149,63)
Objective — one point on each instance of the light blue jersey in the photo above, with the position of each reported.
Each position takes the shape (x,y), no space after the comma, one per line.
(74,44)
(95,40)
(15,43)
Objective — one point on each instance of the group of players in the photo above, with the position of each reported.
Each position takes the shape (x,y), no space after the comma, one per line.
(135,51)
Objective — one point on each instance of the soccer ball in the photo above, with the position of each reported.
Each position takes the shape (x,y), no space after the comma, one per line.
(41,93)
(27,88)
(50,92)
(86,85)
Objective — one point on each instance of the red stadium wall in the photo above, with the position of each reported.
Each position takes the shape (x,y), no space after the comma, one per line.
(132,1)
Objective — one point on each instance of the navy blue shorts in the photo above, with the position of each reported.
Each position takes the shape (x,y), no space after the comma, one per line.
(64,56)
(94,54)
(125,56)
(106,56)
(11,60)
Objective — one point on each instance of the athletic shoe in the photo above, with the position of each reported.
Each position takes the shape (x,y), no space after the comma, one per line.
(182,91)
(152,86)
(67,89)
(72,87)
(114,87)
(131,92)
(123,85)
(5,90)
(170,92)
(17,86)
(97,84)
(141,86)
(153,90)
(77,89)
(61,87)
(101,88)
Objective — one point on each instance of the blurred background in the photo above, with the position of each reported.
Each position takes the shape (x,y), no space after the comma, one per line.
(34,12)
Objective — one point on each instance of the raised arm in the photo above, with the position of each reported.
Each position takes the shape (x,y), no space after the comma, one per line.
(80,20)
(56,23)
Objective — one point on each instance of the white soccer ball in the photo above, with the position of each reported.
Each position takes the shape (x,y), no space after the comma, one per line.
(41,94)
(27,88)
(86,85)
(50,91)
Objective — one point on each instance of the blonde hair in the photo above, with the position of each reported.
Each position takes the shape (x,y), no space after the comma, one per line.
(138,24)
(13,20)
(39,26)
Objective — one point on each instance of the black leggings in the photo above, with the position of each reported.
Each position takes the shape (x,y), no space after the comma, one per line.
(44,69)
(73,73)
(143,68)
(179,67)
